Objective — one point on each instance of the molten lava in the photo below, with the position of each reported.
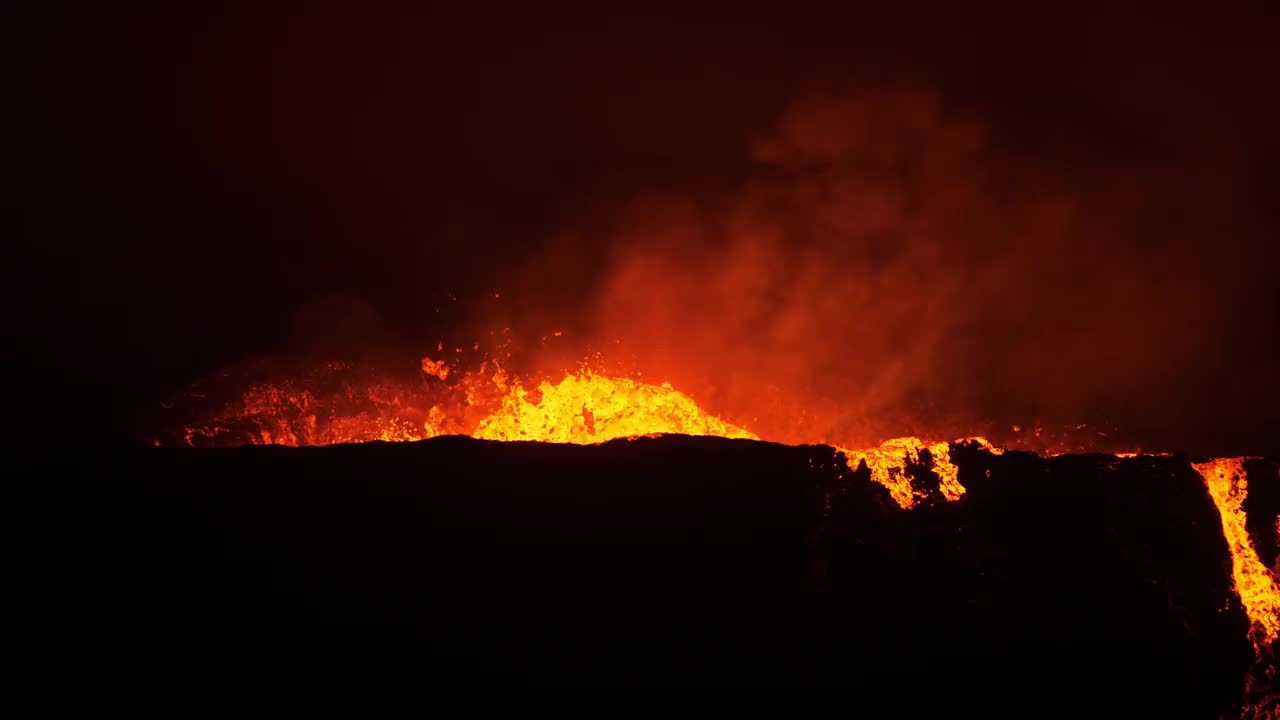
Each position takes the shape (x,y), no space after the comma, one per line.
(888,461)
(581,407)
(589,406)
(1257,588)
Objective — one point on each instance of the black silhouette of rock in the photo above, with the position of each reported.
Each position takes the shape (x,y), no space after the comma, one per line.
(671,561)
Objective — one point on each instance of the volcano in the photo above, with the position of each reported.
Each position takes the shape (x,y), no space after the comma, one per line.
(598,530)
(925,354)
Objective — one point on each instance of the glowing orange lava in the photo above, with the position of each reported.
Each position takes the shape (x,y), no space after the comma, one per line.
(1228,485)
(587,407)
(1258,591)
(889,460)
(581,407)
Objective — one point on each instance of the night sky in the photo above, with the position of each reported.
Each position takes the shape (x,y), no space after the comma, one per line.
(1070,211)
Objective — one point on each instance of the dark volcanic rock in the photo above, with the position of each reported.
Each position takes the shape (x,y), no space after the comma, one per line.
(674,560)
(1262,507)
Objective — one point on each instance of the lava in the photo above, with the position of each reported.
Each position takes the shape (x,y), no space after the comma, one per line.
(887,463)
(581,407)
(1228,485)
(589,406)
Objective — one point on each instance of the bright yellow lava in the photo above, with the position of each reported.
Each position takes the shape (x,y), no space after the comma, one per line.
(888,463)
(581,408)
(1257,588)
(588,408)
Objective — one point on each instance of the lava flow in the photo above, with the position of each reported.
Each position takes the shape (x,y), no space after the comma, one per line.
(586,407)
(1255,584)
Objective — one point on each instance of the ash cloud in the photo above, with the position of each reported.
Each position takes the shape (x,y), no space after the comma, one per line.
(889,266)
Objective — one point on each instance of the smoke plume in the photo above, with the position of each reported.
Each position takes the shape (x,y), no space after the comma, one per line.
(888,267)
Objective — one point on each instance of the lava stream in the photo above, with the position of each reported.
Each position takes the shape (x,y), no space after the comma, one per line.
(1257,588)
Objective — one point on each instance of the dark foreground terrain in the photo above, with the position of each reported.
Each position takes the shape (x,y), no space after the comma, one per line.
(454,562)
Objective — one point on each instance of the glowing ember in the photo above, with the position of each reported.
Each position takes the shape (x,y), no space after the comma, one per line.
(291,413)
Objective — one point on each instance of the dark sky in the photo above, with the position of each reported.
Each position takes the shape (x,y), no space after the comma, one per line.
(200,185)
